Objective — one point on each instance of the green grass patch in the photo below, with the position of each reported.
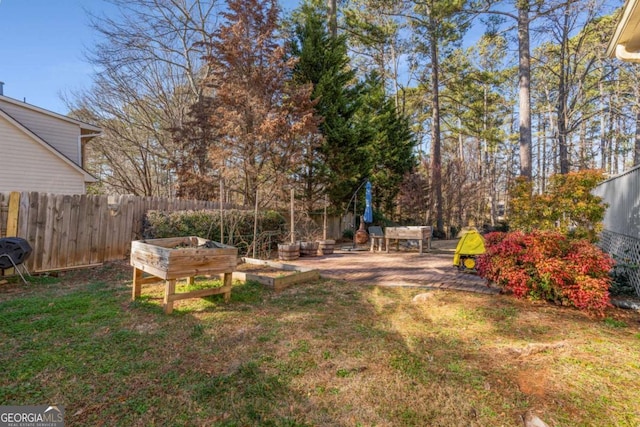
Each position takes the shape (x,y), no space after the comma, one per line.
(323,353)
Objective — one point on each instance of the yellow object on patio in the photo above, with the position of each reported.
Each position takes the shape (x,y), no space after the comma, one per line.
(470,245)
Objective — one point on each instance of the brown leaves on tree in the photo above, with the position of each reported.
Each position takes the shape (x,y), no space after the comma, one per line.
(259,117)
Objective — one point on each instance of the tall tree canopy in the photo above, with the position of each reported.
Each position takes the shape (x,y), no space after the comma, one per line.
(192,93)
(342,160)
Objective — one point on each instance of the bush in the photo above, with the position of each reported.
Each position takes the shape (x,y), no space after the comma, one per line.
(348,234)
(547,265)
(238,226)
(621,276)
(568,205)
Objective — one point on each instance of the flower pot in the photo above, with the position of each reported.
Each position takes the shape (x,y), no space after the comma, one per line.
(288,252)
(308,248)
(325,247)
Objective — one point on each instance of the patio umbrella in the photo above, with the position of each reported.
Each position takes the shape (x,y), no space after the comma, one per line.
(368,210)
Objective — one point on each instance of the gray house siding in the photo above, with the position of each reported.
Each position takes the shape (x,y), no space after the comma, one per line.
(621,232)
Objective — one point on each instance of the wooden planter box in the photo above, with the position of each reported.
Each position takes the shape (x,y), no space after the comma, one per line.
(420,233)
(181,257)
(298,274)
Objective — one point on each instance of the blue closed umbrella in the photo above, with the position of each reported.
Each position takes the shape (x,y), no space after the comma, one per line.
(368,210)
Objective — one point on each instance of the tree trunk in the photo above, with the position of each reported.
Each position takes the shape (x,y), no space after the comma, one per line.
(436,163)
(543,177)
(333,17)
(608,152)
(603,123)
(524,71)
(584,157)
(539,150)
(563,151)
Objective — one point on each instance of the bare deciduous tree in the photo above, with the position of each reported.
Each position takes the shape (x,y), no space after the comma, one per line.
(149,67)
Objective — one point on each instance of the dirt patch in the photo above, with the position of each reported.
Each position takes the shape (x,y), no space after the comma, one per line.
(533,381)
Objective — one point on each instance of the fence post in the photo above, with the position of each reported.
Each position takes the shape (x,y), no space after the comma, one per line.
(14,213)
(12,220)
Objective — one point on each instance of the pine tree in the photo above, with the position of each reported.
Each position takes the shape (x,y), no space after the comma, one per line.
(342,160)
(391,147)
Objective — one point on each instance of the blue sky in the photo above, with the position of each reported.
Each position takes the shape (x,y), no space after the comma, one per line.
(42,45)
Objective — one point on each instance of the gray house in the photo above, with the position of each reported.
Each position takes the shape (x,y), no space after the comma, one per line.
(41,150)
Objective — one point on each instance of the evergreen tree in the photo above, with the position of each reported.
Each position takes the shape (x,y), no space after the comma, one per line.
(392,143)
(342,160)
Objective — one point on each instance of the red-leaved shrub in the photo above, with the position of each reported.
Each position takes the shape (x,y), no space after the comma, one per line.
(546,265)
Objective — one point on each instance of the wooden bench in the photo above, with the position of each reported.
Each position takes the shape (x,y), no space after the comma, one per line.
(376,235)
(420,233)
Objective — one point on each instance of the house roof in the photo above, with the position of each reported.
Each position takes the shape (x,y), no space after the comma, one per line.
(84,127)
(625,43)
(86,175)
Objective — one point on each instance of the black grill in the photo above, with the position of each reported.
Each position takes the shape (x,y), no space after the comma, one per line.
(13,249)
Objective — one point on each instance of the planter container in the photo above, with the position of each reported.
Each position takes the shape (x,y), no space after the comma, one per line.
(326,247)
(308,248)
(288,252)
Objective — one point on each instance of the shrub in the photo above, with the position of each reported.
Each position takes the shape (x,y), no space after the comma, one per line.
(568,205)
(347,233)
(621,276)
(547,265)
(238,226)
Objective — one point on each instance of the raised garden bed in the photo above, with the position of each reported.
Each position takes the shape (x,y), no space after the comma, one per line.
(274,275)
(179,258)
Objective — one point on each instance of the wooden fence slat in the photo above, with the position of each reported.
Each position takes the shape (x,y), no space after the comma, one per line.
(12,217)
(111,240)
(31,219)
(103,217)
(3,214)
(127,227)
(41,225)
(50,230)
(64,225)
(72,236)
(55,253)
(12,221)
(23,216)
(83,247)
(93,217)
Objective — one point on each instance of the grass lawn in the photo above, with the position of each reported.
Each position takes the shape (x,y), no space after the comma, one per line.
(326,353)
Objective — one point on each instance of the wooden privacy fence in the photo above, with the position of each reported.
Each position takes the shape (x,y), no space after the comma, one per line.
(67,231)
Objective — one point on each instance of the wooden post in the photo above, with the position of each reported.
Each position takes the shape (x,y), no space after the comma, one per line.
(12,221)
(221,211)
(137,286)
(324,225)
(228,279)
(169,292)
(255,224)
(13,215)
(293,219)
